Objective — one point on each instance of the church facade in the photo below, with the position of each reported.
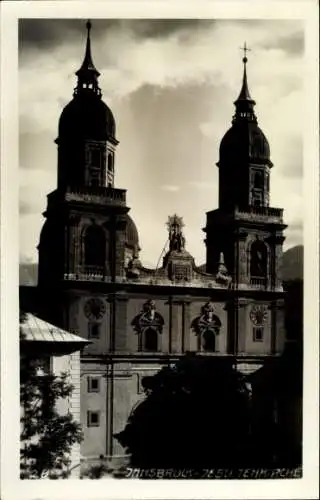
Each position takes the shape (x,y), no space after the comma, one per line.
(92,282)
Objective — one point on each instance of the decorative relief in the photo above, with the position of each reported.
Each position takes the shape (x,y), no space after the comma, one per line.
(258,315)
(148,318)
(140,388)
(180,271)
(101,199)
(258,260)
(74,219)
(206,321)
(94,308)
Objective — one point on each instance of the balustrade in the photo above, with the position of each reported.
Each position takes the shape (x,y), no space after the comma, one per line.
(261,282)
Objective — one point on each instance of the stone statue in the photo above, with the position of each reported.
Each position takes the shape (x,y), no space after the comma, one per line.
(149,309)
(176,239)
(208,311)
(222,275)
(134,265)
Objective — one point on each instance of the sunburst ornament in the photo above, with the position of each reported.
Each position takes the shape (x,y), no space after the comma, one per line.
(175,223)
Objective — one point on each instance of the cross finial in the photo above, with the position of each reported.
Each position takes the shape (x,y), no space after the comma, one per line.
(88,74)
(245,50)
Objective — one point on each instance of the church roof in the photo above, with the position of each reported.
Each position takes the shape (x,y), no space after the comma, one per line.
(244,141)
(132,236)
(36,329)
(87,116)
(88,67)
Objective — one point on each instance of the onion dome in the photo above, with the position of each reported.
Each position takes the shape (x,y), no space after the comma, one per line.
(87,116)
(245,141)
(132,236)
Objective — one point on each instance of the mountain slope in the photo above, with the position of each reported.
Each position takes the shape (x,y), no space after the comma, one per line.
(291,267)
(292,264)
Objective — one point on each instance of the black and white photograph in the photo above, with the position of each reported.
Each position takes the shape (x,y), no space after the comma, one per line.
(165,202)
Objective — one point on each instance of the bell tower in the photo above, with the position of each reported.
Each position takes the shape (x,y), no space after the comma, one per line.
(244,156)
(246,229)
(86,141)
(83,237)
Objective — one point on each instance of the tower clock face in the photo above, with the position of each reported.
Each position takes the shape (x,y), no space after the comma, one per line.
(258,315)
(94,308)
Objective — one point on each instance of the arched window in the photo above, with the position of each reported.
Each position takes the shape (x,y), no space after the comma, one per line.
(150,340)
(258,260)
(258,181)
(94,247)
(209,341)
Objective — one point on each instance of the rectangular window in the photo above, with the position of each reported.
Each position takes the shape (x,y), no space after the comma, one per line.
(258,334)
(93,418)
(94,331)
(93,384)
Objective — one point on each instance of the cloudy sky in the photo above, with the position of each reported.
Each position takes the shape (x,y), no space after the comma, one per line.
(171,86)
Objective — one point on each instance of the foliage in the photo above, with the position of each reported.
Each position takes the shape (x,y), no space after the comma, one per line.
(277,405)
(195,414)
(46,437)
(202,413)
(97,470)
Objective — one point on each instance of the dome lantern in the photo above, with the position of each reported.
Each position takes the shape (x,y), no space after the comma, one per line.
(88,74)
(245,104)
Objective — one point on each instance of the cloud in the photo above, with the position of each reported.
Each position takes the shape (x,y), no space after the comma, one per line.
(26,208)
(292,44)
(171,86)
(49,32)
(172,189)
(34,185)
(202,185)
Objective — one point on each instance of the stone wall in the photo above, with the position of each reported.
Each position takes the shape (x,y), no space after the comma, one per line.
(70,364)
(119,361)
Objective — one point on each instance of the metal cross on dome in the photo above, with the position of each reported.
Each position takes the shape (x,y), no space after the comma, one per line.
(245,50)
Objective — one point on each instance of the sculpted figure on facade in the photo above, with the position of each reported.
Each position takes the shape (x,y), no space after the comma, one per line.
(222,274)
(207,320)
(176,239)
(148,317)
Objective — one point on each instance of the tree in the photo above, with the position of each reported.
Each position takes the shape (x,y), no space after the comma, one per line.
(195,415)
(46,436)
(277,405)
